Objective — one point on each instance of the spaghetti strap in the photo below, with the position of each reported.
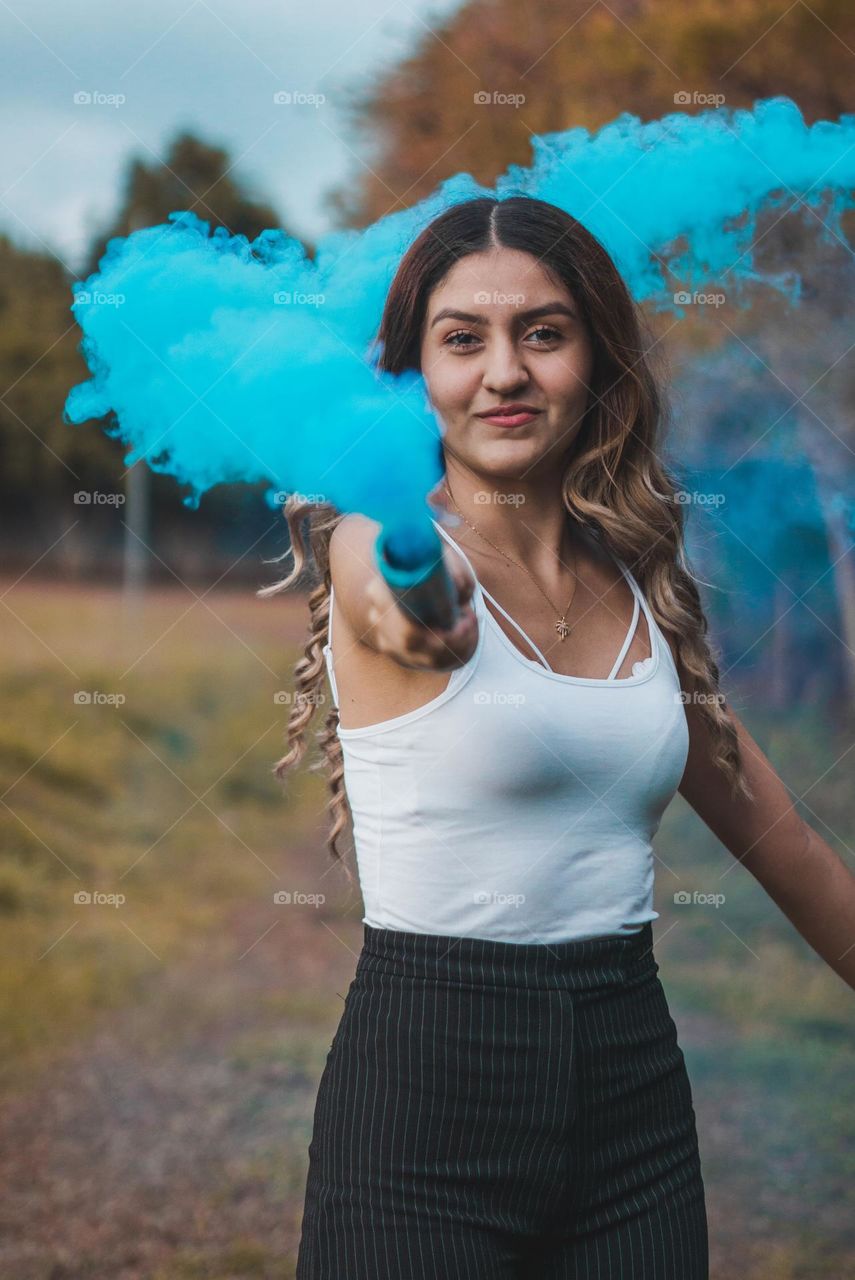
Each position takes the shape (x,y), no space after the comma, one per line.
(629,636)
(655,636)
(448,538)
(329,620)
(485,593)
(327,651)
(638,601)
(527,639)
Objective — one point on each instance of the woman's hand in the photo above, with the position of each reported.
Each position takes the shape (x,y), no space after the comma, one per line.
(395,632)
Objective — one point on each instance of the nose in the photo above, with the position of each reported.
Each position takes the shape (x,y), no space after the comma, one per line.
(505,368)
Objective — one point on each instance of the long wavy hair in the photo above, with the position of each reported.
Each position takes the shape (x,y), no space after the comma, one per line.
(616,485)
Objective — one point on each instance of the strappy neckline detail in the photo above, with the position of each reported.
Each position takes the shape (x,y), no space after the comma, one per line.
(650,664)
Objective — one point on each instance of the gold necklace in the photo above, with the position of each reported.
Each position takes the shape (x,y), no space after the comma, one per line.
(561,626)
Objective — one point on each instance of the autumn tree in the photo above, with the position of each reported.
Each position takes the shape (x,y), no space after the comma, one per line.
(577,64)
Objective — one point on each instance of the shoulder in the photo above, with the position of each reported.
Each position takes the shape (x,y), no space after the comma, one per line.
(351,556)
(351,564)
(373,686)
(353,536)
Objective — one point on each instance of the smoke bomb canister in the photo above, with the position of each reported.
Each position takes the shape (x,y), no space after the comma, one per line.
(410,558)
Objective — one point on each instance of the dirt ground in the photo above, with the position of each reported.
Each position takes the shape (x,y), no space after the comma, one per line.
(172,1143)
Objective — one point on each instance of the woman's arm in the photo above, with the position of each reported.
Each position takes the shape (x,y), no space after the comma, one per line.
(799,871)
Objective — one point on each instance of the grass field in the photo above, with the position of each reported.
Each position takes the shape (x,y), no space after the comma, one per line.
(160,1054)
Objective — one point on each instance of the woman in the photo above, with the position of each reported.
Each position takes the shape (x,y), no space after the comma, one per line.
(505,1094)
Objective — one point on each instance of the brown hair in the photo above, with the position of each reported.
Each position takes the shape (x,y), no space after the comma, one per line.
(616,485)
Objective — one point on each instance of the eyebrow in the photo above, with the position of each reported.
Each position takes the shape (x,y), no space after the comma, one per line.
(549,309)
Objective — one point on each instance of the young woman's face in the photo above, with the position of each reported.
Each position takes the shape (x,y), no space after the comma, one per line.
(482,347)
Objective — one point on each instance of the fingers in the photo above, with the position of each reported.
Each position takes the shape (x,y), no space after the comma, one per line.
(427,648)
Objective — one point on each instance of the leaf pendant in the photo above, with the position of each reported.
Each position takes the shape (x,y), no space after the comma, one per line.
(562,629)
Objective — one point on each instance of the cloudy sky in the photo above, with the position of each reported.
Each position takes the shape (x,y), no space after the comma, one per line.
(86,85)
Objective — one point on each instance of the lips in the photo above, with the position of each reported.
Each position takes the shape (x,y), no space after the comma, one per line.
(512,415)
(508,410)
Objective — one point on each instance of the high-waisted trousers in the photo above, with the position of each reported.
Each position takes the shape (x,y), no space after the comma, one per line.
(493,1109)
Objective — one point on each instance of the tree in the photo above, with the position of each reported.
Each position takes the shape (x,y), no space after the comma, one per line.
(40,457)
(43,460)
(194,176)
(578,64)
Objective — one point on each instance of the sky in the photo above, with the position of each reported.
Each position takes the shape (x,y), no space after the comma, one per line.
(86,86)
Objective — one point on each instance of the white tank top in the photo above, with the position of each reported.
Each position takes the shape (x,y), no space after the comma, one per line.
(519,804)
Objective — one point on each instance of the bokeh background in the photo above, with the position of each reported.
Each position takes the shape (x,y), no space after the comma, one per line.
(162,1042)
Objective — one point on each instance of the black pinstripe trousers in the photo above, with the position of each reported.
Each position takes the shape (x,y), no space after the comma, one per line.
(494,1109)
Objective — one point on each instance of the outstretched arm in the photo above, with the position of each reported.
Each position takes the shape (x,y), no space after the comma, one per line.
(799,871)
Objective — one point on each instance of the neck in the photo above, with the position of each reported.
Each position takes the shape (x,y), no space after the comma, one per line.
(526,520)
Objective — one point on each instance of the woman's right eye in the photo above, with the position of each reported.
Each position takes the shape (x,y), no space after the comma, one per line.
(459,333)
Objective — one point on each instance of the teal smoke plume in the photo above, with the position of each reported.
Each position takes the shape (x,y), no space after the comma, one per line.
(224,360)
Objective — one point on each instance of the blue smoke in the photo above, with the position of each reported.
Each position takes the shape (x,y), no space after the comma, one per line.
(225,360)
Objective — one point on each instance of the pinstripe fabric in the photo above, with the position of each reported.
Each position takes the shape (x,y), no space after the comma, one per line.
(493,1109)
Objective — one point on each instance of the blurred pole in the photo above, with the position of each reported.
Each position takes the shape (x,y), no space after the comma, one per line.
(136,542)
(780,690)
(842,550)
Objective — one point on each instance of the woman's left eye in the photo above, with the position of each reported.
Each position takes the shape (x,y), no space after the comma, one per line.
(553,333)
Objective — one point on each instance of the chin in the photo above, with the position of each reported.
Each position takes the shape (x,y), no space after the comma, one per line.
(508,461)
